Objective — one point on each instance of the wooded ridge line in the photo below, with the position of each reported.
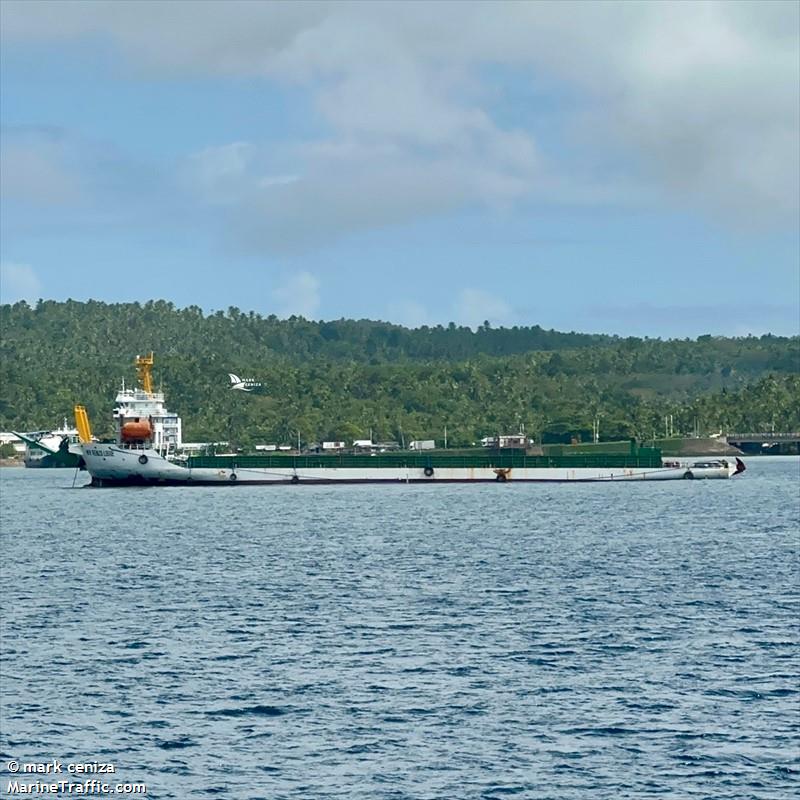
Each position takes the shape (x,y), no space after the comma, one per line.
(341,378)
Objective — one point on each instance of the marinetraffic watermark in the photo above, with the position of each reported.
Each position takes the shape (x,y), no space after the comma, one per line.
(76,778)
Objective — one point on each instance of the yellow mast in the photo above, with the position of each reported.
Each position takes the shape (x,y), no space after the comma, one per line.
(144,367)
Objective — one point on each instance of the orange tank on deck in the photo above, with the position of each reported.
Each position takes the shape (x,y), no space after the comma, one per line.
(133,431)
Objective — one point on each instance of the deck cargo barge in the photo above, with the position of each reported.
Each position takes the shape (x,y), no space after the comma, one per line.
(143,453)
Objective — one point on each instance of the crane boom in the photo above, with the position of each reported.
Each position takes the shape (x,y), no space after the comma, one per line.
(82,424)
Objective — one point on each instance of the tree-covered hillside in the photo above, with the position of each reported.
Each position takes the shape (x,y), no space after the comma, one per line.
(340,379)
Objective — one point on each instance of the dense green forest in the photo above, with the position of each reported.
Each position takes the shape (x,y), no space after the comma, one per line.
(343,378)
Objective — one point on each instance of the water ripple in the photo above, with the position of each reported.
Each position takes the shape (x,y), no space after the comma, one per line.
(523,641)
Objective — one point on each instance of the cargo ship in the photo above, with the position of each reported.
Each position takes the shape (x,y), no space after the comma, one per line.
(145,451)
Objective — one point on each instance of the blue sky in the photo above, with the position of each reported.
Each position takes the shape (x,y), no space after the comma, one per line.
(611,167)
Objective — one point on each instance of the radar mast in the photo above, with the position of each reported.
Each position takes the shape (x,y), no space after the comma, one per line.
(144,369)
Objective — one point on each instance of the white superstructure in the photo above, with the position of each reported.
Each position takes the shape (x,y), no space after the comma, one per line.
(139,406)
(142,421)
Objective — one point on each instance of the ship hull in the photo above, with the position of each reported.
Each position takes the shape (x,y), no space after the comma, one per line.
(59,460)
(110,465)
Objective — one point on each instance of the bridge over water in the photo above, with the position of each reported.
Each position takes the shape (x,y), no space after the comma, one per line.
(765,442)
(762,438)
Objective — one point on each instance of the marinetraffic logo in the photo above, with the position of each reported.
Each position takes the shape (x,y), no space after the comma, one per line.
(243,384)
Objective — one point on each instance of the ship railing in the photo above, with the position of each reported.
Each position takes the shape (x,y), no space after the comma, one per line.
(162,450)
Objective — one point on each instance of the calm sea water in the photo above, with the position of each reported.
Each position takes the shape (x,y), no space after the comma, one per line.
(497,641)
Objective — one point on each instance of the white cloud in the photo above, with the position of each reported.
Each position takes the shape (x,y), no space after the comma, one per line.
(730,319)
(470,307)
(696,101)
(475,306)
(298,295)
(357,188)
(410,313)
(35,167)
(72,179)
(19,282)
(219,172)
(277,180)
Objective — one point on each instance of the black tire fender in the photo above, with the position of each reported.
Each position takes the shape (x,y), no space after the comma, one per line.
(688,475)
(428,472)
(142,459)
(501,476)
(233,476)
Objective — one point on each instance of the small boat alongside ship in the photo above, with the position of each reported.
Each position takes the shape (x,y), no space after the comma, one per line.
(145,452)
(49,449)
